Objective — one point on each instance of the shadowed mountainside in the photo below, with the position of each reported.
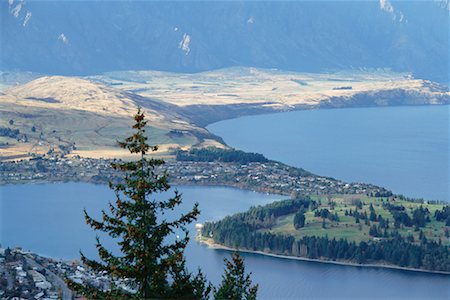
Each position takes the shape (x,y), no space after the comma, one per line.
(90,37)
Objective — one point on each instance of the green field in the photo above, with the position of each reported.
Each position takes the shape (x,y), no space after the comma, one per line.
(347,227)
(389,230)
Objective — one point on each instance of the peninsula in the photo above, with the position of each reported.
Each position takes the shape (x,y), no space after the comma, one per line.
(60,129)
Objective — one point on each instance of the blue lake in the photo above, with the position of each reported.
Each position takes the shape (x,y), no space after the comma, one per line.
(405,149)
(48,219)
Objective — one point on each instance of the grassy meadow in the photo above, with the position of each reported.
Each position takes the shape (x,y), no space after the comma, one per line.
(347,227)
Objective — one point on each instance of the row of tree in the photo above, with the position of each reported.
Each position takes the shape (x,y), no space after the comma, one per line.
(443,215)
(217,154)
(326,214)
(8,132)
(420,216)
(394,249)
(243,231)
(260,217)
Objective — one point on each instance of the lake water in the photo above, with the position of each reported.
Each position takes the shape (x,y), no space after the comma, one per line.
(48,219)
(405,149)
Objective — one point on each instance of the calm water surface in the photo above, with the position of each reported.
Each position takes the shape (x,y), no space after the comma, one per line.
(405,149)
(48,219)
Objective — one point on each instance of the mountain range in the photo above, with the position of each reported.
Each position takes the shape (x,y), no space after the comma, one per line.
(91,37)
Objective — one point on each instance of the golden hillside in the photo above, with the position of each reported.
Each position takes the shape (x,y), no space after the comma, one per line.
(276,89)
(68,114)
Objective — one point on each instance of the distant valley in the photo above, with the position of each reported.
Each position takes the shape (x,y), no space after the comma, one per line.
(85,115)
(208,97)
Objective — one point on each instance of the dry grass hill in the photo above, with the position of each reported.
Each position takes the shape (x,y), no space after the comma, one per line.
(85,116)
(221,94)
(67,114)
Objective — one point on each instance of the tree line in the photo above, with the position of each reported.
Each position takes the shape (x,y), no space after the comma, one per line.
(242,231)
(217,154)
(420,216)
(397,250)
(259,217)
(443,215)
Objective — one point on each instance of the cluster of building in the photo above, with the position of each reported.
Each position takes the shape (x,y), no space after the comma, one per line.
(48,169)
(25,275)
(22,277)
(269,177)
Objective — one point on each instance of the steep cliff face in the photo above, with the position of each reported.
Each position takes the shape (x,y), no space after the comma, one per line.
(89,37)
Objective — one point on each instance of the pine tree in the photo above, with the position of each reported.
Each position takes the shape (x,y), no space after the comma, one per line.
(373,215)
(235,283)
(299,219)
(148,258)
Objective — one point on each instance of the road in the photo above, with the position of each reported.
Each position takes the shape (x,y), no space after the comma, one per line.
(54,279)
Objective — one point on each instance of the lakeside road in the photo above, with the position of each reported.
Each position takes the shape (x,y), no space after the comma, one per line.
(213,245)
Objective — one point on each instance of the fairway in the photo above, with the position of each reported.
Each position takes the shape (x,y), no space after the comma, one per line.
(347,228)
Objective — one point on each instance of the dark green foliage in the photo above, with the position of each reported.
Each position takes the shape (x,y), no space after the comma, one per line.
(236,284)
(376,231)
(8,132)
(443,215)
(420,216)
(373,215)
(382,193)
(155,265)
(264,216)
(326,214)
(382,222)
(299,219)
(241,231)
(323,213)
(391,207)
(217,154)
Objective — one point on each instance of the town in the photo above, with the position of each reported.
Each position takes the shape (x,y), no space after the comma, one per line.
(267,177)
(26,275)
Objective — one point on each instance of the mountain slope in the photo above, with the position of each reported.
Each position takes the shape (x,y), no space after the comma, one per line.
(90,37)
(78,116)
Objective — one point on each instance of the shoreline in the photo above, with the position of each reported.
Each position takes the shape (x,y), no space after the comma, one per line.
(188,184)
(215,246)
(173,184)
(273,111)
